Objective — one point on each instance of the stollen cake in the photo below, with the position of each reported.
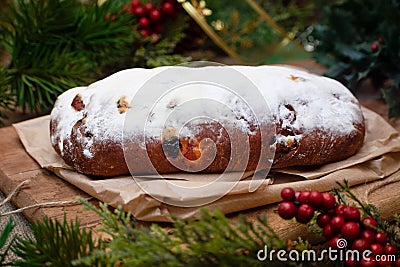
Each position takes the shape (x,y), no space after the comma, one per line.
(294,117)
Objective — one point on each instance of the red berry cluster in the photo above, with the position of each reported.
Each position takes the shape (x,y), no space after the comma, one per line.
(338,221)
(151,18)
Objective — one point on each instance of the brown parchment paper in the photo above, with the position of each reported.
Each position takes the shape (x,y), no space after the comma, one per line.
(378,158)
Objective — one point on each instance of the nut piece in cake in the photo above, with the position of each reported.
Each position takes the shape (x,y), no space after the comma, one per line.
(122,104)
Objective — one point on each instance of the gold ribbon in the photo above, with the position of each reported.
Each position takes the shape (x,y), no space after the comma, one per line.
(201,21)
(267,17)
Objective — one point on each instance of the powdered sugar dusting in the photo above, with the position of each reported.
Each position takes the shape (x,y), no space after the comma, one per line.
(299,102)
(319,102)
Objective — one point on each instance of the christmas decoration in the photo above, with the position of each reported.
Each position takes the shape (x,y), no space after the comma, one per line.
(151,18)
(359,40)
(55,244)
(213,240)
(250,30)
(341,222)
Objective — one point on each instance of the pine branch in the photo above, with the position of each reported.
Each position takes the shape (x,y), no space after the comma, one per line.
(49,74)
(105,41)
(56,45)
(210,240)
(6,96)
(56,244)
(6,241)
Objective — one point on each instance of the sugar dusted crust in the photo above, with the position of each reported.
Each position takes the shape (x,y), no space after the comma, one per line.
(313,120)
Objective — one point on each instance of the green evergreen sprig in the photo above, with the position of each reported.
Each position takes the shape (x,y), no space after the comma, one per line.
(6,241)
(210,240)
(56,45)
(56,243)
(6,96)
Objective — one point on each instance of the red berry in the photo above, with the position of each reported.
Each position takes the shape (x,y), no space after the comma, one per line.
(368,262)
(336,223)
(304,213)
(304,196)
(323,219)
(351,214)
(287,210)
(139,11)
(296,196)
(377,249)
(351,262)
(168,9)
(381,238)
(155,15)
(369,223)
(333,242)
(144,23)
(148,7)
(374,47)
(288,194)
(328,201)
(390,249)
(368,235)
(135,3)
(315,199)
(327,232)
(350,230)
(339,209)
(380,40)
(384,263)
(360,245)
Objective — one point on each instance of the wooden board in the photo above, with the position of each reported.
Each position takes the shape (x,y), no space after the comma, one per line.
(16,166)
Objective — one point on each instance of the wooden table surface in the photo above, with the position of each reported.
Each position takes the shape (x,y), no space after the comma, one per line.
(16,166)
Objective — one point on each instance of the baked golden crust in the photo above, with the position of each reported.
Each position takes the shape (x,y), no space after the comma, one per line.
(314,148)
